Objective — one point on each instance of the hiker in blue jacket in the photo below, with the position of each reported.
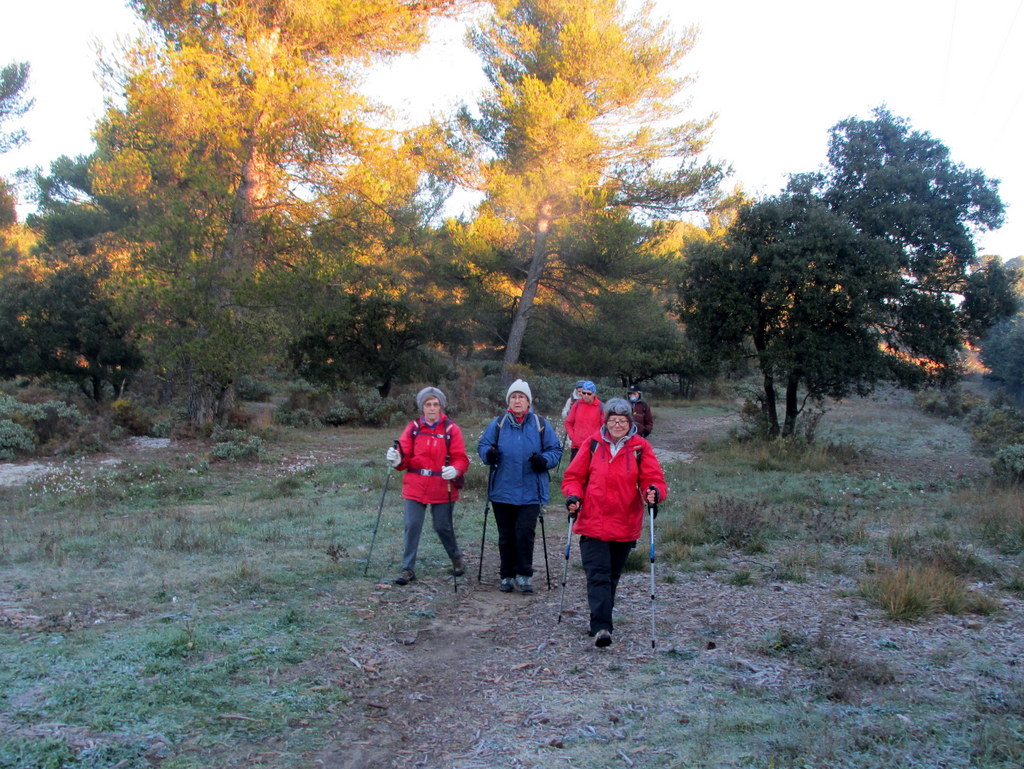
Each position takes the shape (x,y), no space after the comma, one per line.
(520,446)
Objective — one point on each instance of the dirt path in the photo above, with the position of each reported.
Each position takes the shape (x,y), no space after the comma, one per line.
(487,669)
(486,679)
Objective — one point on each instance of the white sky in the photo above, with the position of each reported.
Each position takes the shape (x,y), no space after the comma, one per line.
(777,74)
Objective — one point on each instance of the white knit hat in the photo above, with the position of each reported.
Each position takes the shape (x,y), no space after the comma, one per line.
(519,386)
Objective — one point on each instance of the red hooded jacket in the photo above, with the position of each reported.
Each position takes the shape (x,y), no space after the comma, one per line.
(583,420)
(610,488)
(427,451)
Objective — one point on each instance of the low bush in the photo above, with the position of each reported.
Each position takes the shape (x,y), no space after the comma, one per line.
(300,417)
(132,417)
(997,427)
(236,444)
(1008,464)
(250,388)
(952,403)
(15,440)
(42,422)
(910,592)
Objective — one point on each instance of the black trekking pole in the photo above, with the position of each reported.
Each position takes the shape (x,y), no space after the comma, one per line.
(652,512)
(565,574)
(544,539)
(380,509)
(483,534)
(451,515)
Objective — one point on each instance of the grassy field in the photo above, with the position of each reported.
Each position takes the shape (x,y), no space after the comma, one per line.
(852,603)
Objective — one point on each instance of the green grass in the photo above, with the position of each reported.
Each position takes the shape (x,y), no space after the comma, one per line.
(181,612)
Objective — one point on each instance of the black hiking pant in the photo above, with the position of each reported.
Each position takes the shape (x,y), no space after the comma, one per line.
(517,531)
(603,561)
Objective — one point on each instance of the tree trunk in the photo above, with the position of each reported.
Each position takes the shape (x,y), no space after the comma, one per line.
(792,407)
(524,308)
(771,409)
(244,230)
(208,400)
(202,402)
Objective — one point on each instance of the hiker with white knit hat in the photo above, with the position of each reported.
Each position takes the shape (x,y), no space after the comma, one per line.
(521,447)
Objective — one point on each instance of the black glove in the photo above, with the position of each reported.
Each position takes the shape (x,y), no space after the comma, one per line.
(657,498)
(538,463)
(493,456)
(569,502)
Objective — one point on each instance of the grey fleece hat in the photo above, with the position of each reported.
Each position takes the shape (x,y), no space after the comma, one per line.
(430,392)
(519,386)
(618,407)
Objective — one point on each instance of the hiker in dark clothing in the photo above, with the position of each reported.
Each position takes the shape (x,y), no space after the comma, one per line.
(643,417)
(520,446)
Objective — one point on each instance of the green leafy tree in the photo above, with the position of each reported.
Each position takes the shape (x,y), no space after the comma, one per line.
(372,340)
(61,326)
(72,216)
(238,131)
(580,118)
(1002,349)
(862,273)
(1003,354)
(14,102)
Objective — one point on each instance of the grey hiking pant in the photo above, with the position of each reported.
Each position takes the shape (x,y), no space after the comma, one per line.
(415,513)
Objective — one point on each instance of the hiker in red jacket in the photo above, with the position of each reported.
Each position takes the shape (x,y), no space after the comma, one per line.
(584,418)
(607,488)
(432,452)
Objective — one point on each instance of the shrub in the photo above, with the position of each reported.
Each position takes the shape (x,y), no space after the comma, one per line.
(951,557)
(909,592)
(14,440)
(736,523)
(43,421)
(1008,464)
(236,444)
(377,411)
(300,417)
(339,414)
(994,428)
(131,416)
(250,388)
(952,403)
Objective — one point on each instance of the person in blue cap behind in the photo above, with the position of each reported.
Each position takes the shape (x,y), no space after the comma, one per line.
(584,418)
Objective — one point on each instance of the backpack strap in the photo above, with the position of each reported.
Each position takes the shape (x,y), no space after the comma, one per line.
(637,452)
(540,427)
(417,428)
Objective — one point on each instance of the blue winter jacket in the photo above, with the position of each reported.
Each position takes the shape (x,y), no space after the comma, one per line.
(513,480)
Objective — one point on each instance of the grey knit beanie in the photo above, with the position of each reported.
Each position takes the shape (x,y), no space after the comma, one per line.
(618,407)
(430,392)
(519,386)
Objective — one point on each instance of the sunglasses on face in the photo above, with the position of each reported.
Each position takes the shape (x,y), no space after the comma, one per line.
(586,392)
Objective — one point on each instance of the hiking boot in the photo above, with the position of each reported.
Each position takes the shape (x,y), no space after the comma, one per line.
(407,576)
(458,566)
(602,639)
(506,585)
(524,584)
